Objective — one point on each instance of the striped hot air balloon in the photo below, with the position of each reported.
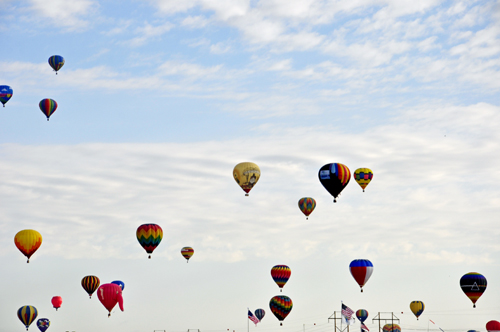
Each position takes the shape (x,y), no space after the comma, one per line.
(361,270)
(334,177)
(281,274)
(362,315)
(90,284)
(281,306)
(307,205)
(473,284)
(56,62)
(48,107)
(260,313)
(27,314)
(187,252)
(28,241)
(149,237)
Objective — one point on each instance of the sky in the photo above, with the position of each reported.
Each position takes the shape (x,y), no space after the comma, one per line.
(158,100)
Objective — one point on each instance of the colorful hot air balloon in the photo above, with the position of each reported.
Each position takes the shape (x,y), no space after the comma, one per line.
(5,94)
(363,176)
(281,306)
(110,295)
(246,175)
(28,241)
(56,302)
(187,252)
(27,314)
(392,328)
(43,324)
(119,283)
(334,177)
(307,205)
(417,307)
(149,237)
(90,284)
(48,107)
(56,62)
(260,313)
(361,270)
(362,315)
(281,274)
(493,326)
(473,284)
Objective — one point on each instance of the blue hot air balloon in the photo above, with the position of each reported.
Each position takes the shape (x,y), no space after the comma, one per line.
(119,283)
(43,324)
(5,94)
(56,62)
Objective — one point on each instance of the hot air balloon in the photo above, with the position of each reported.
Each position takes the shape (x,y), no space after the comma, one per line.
(392,328)
(43,324)
(363,176)
(281,306)
(361,270)
(48,107)
(90,284)
(334,177)
(281,274)
(362,315)
(56,302)
(56,62)
(417,307)
(187,252)
(246,175)
(473,284)
(307,205)
(28,241)
(110,295)
(27,314)
(149,237)
(5,94)
(119,283)
(493,326)
(260,313)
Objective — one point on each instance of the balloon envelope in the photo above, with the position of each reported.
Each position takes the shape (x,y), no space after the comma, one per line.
(417,307)
(363,176)
(5,94)
(43,324)
(246,175)
(28,241)
(119,283)
(48,107)
(187,252)
(362,315)
(281,306)
(149,237)
(260,313)
(334,177)
(473,284)
(56,302)
(493,326)
(307,205)
(27,314)
(392,328)
(110,295)
(281,274)
(56,62)
(361,270)
(90,284)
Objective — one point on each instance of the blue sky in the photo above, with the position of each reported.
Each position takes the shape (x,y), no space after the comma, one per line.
(158,100)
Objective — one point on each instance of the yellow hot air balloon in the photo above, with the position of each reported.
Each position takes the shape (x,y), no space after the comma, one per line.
(28,241)
(417,307)
(363,176)
(246,175)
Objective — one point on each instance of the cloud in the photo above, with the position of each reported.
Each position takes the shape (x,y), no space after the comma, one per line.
(148,32)
(60,13)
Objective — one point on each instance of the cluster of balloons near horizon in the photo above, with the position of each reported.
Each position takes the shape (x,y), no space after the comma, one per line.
(47,106)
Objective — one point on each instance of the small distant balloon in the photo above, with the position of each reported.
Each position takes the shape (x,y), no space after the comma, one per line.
(260,313)
(28,241)
(187,252)
(361,270)
(90,284)
(119,283)
(362,315)
(280,275)
(48,107)
(5,94)
(110,295)
(334,177)
(57,302)
(56,62)
(246,175)
(493,326)
(43,324)
(281,306)
(417,307)
(27,314)
(149,237)
(307,205)
(473,284)
(363,176)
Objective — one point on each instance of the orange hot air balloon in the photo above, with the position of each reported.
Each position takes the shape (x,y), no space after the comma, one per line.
(28,241)
(56,302)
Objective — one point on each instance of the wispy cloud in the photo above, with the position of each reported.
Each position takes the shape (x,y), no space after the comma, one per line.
(72,16)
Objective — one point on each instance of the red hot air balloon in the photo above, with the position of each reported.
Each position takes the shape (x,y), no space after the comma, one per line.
(280,275)
(110,295)
(56,302)
(493,326)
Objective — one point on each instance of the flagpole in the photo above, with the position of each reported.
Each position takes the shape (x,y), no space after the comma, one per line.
(248,321)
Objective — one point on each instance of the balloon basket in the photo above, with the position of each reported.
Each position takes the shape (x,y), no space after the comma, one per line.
(247,194)
(149,256)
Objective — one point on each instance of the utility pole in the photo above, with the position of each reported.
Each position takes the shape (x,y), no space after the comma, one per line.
(384,316)
(335,318)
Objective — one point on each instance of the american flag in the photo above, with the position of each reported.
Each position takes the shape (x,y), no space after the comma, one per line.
(252,317)
(363,327)
(436,325)
(347,313)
